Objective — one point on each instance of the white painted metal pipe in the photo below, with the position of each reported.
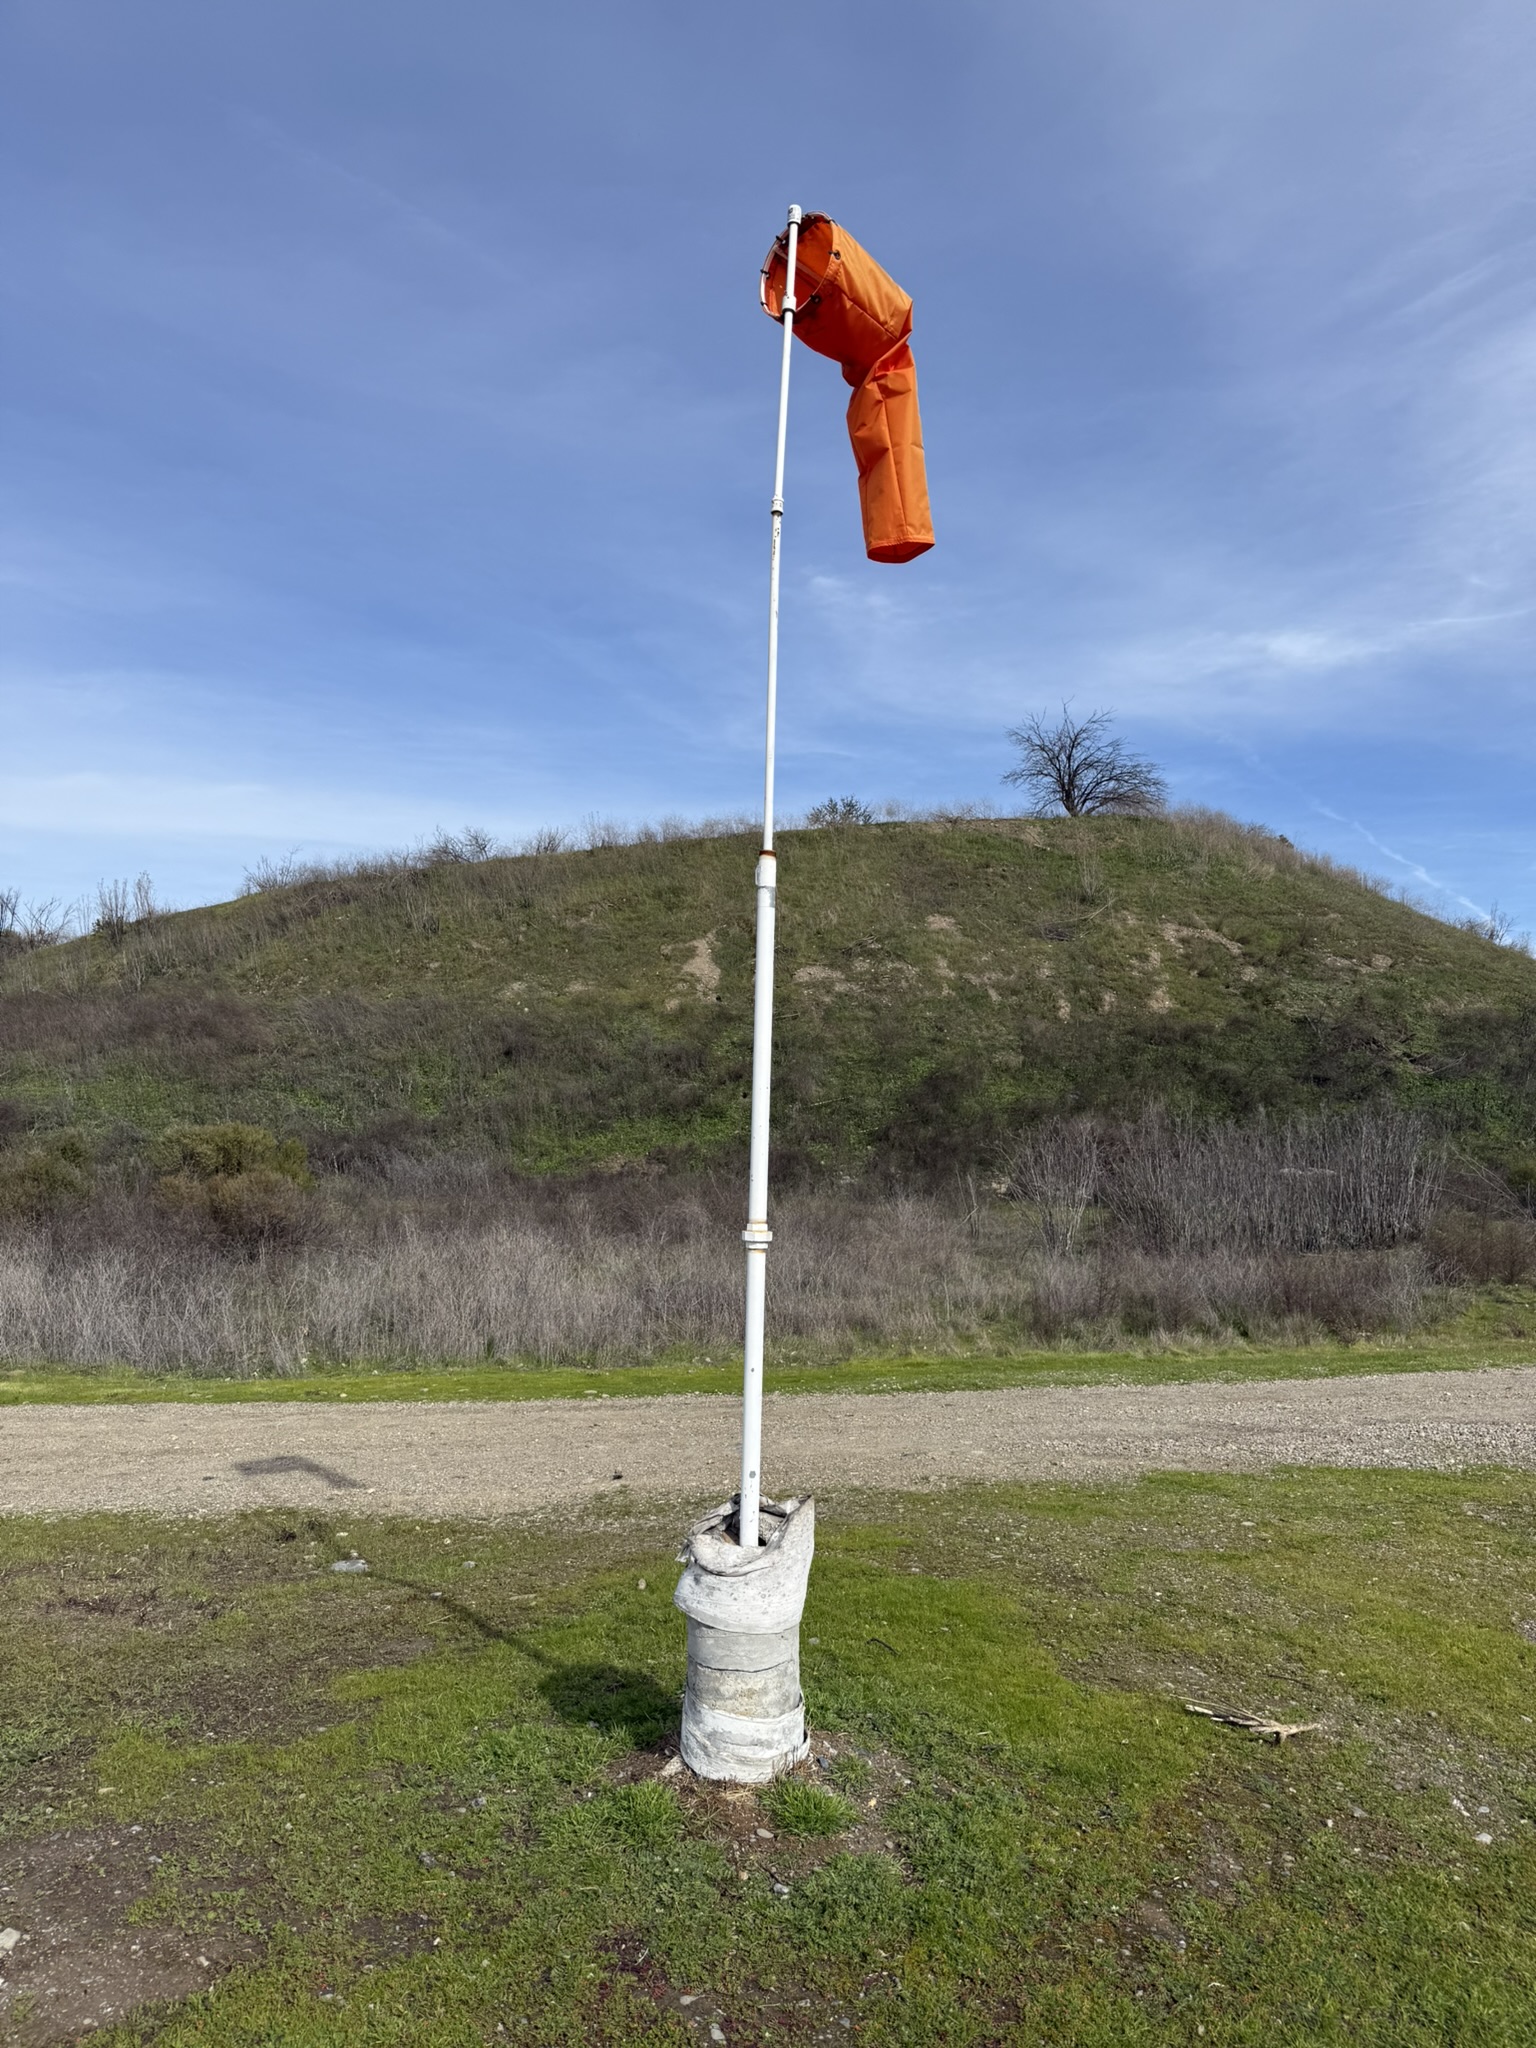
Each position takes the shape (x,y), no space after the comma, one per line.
(757,1236)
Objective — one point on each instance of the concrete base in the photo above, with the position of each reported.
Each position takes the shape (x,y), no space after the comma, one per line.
(743,1714)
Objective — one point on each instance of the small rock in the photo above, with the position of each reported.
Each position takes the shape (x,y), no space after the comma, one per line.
(782,1890)
(478,1801)
(350,1564)
(689,1998)
(9,1936)
(715,2033)
(1483,1837)
(203,1963)
(765,1834)
(640,1583)
(469,1564)
(427,1860)
(671,1767)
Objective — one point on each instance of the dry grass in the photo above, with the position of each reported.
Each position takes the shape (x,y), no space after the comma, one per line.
(543,1276)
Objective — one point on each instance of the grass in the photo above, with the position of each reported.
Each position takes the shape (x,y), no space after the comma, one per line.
(938,985)
(1477,1341)
(422,1805)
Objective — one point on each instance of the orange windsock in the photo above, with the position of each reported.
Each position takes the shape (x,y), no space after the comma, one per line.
(847,308)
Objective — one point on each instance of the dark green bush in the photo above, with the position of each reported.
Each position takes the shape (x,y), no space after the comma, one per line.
(245,1186)
(220,1151)
(46,1177)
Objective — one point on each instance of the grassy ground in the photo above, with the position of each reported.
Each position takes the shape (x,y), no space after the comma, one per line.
(421,1804)
(1465,1349)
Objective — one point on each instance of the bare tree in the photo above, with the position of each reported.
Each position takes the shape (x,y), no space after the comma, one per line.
(1079,766)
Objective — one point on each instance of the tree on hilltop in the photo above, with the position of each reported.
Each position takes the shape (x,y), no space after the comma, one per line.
(1078,765)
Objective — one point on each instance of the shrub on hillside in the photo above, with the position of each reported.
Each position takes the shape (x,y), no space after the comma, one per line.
(839,810)
(209,1151)
(46,1178)
(246,1186)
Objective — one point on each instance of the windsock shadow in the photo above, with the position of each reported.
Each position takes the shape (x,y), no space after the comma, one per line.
(263,1468)
(619,1701)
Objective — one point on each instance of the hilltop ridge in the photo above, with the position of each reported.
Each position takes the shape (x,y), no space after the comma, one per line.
(939,984)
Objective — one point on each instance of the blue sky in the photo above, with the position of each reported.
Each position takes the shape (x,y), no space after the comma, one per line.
(388,417)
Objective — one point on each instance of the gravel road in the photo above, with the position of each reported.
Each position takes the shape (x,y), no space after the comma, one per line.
(509,1457)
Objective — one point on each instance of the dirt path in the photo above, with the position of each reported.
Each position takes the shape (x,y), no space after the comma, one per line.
(491,1458)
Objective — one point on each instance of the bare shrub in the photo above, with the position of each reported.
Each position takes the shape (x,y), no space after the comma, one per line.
(549,1283)
(459,849)
(114,911)
(1283,1297)
(1480,1248)
(599,832)
(839,810)
(1495,925)
(456,1262)
(548,839)
(1055,1171)
(33,925)
(1356,1181)
(267,874)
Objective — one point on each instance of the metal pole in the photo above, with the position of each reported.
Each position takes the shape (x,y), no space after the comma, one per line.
(757,1236)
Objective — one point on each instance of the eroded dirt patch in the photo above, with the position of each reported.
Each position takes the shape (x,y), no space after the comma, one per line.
(80,1963)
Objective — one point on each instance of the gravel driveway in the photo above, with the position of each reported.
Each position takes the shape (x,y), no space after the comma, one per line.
(507,1457)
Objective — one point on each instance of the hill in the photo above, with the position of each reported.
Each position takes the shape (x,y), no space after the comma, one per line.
(940,984)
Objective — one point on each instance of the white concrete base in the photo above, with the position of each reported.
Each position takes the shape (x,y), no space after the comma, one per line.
(743,1714)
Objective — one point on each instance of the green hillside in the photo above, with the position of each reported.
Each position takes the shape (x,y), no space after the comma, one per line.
(939,984)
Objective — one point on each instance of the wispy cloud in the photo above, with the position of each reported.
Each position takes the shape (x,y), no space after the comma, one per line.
(1416,869)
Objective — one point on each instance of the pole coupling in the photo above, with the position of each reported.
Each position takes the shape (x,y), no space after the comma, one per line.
(757,1237)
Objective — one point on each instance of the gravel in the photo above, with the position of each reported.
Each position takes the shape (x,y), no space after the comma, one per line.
(494,1458)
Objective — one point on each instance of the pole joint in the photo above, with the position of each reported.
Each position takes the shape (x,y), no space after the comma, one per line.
(757,1237)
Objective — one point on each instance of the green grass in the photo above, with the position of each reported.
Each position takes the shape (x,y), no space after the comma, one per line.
(421,1805)
(1459,1350)
(937,986)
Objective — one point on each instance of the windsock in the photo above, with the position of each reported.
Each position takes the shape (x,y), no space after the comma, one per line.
(846,307)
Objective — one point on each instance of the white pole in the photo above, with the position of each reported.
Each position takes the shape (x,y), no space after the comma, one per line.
(757,1236)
